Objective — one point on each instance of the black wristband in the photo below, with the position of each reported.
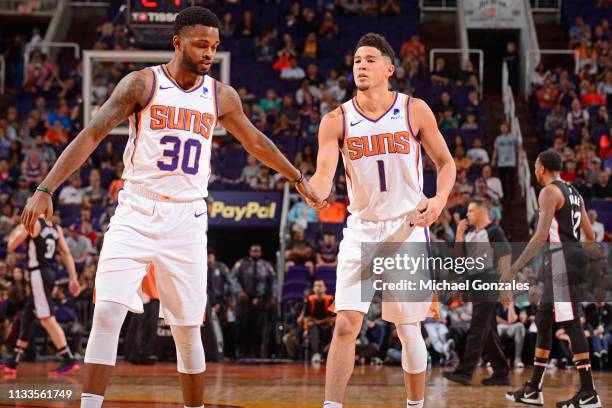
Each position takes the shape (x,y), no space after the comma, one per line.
(299,180)
(44,190)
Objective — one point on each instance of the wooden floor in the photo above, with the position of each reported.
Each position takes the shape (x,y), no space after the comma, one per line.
(283,386)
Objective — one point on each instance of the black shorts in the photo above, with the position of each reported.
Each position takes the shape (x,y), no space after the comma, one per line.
(42,281)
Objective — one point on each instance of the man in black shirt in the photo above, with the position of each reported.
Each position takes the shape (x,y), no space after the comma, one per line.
(482,237)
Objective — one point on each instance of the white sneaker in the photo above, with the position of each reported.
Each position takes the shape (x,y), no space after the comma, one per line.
(316,358)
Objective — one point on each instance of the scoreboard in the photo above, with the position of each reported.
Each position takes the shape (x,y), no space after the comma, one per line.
(154,13)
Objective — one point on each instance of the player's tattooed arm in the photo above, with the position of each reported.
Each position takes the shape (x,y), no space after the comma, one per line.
(233,119)
(331,134)
(132,91)
(549,199)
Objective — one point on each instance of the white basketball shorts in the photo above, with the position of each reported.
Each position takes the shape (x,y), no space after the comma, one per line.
(169,235)
(349,291)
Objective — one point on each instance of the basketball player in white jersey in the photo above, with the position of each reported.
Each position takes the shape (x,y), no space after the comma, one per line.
(161,215)
(380,134)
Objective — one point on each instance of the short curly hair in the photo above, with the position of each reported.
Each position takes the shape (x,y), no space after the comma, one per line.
(551,160)
(377,41)
(192,16)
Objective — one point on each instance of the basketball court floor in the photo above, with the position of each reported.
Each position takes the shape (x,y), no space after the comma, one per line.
(284,386)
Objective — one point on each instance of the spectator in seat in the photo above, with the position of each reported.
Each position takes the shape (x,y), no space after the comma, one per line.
(302,214)
(318,321)
(288,107)
(80,246)
(305,156)
(599,317)
(605,87)
(509,326)
(461,161)
(539,74)
(253,279)
(447,120)
(336,212)
(473,105)
(477,152)
(437,335)
(259,117)
(414,47)
(506,158)
(263,181)
(264,49)
(328,27)
(511,58)
(34,167)
(45,151)
(23,192)
(56,135)
(310,48)
(250,171)
(327,252)
(246,28)
(567,93)
(602,120)
(284,127)
(570,172)
(603,189)
(577,118)
(227,25)
(440,75)
(86,280)
(470,123)
(95,194)
(578,31)
(443,104)
(494,185)
(300,250)
(591,97)
(73,193)
(556,118)
(310,127)
(597,227)
(547,95)
(469,76)
(293,72)
(271,103)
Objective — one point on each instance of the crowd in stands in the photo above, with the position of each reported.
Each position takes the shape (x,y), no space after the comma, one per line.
(301,68)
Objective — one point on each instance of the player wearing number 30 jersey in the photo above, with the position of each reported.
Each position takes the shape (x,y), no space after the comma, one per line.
(161,215)
(381,135)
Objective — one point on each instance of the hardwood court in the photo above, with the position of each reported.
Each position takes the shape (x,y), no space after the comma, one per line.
(285,386)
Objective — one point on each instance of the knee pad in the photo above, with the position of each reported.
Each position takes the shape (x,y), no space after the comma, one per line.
(107,321)
(414,351)
(189,349)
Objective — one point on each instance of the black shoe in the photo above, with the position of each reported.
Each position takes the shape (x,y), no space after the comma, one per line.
(497,379)
(583,399)
(459,377)
(527,395)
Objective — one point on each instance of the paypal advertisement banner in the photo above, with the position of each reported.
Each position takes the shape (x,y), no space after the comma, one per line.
(244,208)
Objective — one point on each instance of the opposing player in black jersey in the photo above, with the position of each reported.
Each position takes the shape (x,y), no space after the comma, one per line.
(41,249)
(562,218)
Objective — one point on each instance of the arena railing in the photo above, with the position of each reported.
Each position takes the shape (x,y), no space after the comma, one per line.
(524,173)
(45,46)
(283,237)
(462,51)
(546,6)
(90,57)
(534,57)
(2,74)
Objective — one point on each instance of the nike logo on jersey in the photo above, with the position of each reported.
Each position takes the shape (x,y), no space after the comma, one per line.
(199,215)
(165,87)
(356,123)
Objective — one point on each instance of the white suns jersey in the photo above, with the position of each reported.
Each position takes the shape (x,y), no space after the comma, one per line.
(168,151)
(382,159)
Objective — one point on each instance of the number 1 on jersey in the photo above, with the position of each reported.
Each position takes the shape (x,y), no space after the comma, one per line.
(381,175)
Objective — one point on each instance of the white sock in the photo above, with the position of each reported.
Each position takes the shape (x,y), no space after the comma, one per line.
(332,404)
(415,404)
(91,400)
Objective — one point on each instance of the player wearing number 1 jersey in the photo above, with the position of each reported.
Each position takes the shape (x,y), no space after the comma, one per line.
(381,135)
(161,216)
